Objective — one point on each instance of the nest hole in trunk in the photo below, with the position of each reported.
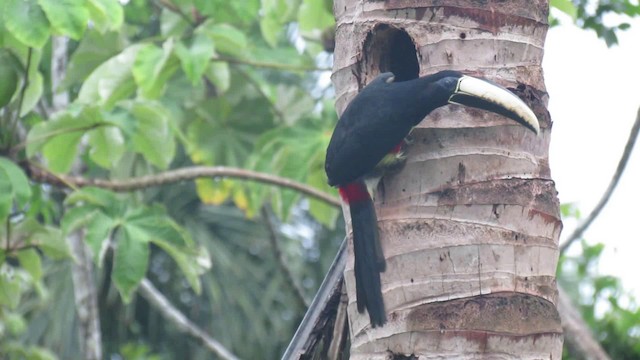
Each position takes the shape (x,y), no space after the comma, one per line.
(388,48)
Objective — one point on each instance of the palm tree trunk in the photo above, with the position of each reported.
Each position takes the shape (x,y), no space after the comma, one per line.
(470,225)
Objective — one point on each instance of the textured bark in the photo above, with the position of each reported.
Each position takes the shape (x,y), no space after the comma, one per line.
(86,299)
(82,274)
(59,60)
(470,225)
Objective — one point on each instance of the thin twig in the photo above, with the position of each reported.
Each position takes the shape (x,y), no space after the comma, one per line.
(582,227)
(175,9)
(269,65)
(277,252)
(171,313)
(173,176)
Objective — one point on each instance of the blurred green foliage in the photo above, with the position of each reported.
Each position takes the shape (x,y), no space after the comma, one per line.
(612,313)
(605,17)
(157,85)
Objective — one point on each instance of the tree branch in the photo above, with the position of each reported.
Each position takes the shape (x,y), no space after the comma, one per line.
(582,227)
(579,339)
(172,176)
(273,237)
(85,297)
(82,269)
(59,63)
(169,312)
(175,9)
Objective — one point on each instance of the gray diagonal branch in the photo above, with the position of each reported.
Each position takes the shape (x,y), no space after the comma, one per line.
(171,313)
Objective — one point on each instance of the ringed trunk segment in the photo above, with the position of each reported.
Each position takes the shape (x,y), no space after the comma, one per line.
(473,215)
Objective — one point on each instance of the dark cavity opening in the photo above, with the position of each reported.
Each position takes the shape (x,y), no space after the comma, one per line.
(391,49)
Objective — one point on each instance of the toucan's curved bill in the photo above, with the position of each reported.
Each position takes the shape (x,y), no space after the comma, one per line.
(488,96)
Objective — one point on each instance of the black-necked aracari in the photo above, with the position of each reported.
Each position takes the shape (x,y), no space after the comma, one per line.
(373,127)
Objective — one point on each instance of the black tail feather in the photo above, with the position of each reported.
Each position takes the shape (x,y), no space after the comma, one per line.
(369,261)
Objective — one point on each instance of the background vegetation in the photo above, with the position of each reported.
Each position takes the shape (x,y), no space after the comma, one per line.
(144,87)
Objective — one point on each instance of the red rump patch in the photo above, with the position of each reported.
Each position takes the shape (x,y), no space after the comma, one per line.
(397,148)
(354,192)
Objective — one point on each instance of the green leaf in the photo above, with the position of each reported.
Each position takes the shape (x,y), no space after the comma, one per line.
(275,14)
(8,76)
(67,17)
(30,261)
(33,93)
(235,12)
(313,15)
(566,6)
(153,67)
(610,37)
(112,81)
(214,192)
(9,289)
(94,49)
(172,24)
(281,55)
(15,323)
(218,73)
(20,188)
(624,26)
(192,262)
(94,197)
(107,146)
(53,244)
(225,133)
(105,139)
(295,152)
(76,217)
(153,137)
(6,195)
(270,29)
(196,57)
(63,125)
(61,150)
(130,264)
(152,223)
(46,238)
(106,14)
(227,38)
(570,210)
(593,252)
(27,22)
(97,236)
(14,186)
